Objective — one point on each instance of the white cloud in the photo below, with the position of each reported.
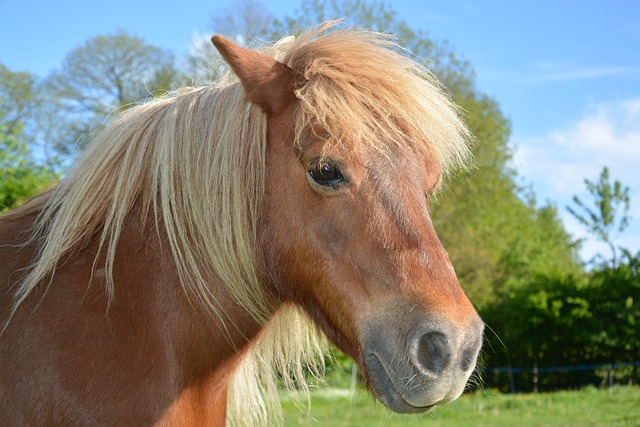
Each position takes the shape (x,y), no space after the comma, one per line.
(557,163)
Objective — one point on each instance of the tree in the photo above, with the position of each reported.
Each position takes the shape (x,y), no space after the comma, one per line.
(610,215)
(106,73)
(20,175)
(19,101)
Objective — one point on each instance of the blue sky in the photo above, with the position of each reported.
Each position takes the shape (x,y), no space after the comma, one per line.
(566,73)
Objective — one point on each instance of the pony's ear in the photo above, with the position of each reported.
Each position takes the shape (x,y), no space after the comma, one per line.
(267,82)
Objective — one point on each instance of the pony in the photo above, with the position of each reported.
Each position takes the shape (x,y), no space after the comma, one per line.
(206,240)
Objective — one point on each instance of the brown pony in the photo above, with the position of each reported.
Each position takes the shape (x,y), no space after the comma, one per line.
(204,240)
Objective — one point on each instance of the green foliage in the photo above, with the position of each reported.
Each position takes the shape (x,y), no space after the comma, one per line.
(20,175)
(559,321)
(615,295)
(611,212)
(17,97)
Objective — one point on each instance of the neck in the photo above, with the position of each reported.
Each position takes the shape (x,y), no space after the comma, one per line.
(154,345)
(207,341)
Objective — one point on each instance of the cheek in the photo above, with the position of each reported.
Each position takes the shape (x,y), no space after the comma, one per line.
(304,237)
(308,268)
(281,233)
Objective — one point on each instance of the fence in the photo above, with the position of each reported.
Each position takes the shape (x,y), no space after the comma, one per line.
(535,371)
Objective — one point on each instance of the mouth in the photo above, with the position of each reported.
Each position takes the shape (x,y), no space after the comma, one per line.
(386,390)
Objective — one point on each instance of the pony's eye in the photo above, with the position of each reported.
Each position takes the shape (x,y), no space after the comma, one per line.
(326,173)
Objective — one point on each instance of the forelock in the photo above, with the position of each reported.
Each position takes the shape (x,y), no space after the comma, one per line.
(363,89)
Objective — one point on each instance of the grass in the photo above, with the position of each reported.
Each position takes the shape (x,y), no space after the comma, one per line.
(618,406)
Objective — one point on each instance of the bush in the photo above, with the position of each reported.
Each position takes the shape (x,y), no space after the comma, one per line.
(564,321)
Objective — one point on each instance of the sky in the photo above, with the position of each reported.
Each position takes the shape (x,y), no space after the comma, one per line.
(566,73)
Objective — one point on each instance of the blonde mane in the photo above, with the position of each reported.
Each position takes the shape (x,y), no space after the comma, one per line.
(362,89)
(194,161)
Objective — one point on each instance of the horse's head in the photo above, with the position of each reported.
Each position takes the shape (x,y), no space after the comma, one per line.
(346,233)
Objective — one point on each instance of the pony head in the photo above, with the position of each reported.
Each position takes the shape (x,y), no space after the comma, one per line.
(358,139)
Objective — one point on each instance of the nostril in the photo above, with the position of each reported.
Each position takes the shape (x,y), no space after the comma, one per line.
(468,358)
(470,354)
(433,352)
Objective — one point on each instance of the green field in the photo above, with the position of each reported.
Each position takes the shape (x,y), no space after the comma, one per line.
(619,406)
